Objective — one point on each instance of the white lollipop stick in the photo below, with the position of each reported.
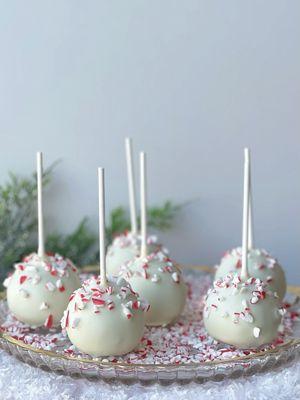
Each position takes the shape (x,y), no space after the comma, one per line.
(250,230)
(102,226)
(143,189)
(244,271)
(39,168)
(131,185)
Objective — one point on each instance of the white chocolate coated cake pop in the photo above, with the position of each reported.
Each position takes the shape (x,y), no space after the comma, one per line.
(155,277)
(241,310)
(38,291)
(244,314)
(105,317)
(105,320)
(125,248)
(261,265)
(158,280)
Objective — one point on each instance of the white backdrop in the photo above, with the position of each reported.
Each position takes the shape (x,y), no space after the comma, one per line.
(192,82)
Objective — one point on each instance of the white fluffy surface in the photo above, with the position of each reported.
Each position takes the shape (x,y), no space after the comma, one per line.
(21,381)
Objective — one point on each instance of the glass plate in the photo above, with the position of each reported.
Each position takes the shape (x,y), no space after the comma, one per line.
(59,362)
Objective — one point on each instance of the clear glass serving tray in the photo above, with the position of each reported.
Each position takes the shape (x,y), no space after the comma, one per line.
(229,365)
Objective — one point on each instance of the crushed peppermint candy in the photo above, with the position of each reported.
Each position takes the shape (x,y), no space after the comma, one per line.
(36,279)
(44,306)
(255,254)
(257,289)
(153,267)
(37,338)
(118,291)
(254,300)
(256,332)
(56,264)
(186,341)
(24,293)
(75,322)
(49,286)
(49,321)
(127,239)
(22,279)
(110,305)
(7,281)
(29,271)
(175,277)
(60,285)
(155,278)
(127,311)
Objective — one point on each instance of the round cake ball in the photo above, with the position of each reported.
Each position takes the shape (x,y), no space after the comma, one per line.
(158,280)
(39,289)
(105,321)
(125,248)
(242,314)
(260,265)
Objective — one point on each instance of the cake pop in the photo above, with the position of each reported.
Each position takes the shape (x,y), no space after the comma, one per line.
(155,277)
(126,247)
(241,310)
(242,313)
(105,316)
(261,265)
(39,289)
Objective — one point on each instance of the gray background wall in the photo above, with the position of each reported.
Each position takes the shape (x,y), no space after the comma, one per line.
(192,82)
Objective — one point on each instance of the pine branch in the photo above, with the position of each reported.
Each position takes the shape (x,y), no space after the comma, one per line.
(118,223)
(18,225)
(78,246)
(18,217)
(162,218)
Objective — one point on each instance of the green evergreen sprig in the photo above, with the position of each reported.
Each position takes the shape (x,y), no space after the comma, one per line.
(18,217)
(79,245)
(18,225)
